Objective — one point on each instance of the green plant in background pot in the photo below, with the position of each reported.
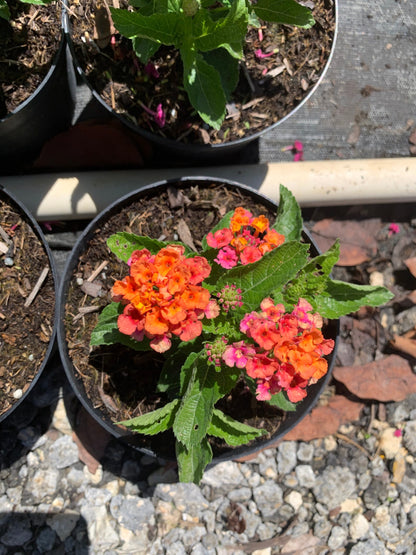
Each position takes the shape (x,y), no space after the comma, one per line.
(5,11)
(249,307)
(209,37)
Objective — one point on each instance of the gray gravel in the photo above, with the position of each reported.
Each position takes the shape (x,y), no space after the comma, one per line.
(322,496)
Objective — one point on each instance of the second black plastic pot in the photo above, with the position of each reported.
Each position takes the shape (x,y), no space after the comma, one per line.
(44,114)
(26,216)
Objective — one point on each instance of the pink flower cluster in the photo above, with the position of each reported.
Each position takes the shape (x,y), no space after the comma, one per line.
(288,351)
(246,240)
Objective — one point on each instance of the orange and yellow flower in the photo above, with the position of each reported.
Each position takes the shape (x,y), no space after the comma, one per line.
(163,296)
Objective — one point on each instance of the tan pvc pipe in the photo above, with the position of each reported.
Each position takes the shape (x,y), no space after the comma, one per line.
(81,195)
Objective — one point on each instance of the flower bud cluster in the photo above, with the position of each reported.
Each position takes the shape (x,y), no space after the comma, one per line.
(229,298)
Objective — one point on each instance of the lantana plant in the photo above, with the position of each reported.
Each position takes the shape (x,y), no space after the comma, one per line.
(251,306)
(209,37)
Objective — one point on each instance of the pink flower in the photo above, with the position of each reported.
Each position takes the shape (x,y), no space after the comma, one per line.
(397,433)
(260,54)
(238,354)
(151,70)
(263,391)
(212,310)
(227,258)
(297,150)
(160,118)
(221,238)
(159,115)
(250,255)
(160,343)
(394,228)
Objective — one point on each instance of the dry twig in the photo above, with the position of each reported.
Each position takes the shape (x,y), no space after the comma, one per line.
(38,285)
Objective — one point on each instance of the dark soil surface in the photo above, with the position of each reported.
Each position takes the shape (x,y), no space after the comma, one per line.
(120,383)
(28,43)
(260,100)
(25,330)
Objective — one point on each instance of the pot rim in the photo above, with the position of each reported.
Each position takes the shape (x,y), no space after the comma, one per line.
(52,341)
(197,148)
(125,435)
(59,52)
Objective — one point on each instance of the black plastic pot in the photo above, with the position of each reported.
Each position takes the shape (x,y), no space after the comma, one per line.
(47,112)
(169,152)
(135,440)
(17,205)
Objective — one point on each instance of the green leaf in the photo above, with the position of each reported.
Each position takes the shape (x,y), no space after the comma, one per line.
(37,2)
(269,274)
(204,386)
(202,83)
(227,67)
(312,279)
(282,402)
(286,12)
(4,10)
(144,48)
(228,32)
(106,331)
(123,244)
(340,298)
(193,461)
(289,217)
(175,376)
(153,422)
(163,28)
(234,433)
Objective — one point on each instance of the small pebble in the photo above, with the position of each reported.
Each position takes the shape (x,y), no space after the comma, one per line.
(8,261)
(17,394)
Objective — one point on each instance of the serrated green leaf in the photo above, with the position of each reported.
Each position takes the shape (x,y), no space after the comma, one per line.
(270,273)
(106,331)
(202,83)
(153,422)
(144,48)
(174,377)
(282,402)
(340,298)
(312,279)
(286,12)
(163,28)
(232,431)
(193,461)
(289,216)
(210,34)
(123,244)
(227,67)
(194,414)
(4,10)
(204,386)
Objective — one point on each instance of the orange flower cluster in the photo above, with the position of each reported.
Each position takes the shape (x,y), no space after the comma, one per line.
(246,240)
(163,296)
(290,350)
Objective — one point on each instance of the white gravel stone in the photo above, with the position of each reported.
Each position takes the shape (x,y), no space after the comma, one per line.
(43,485)
(305,475)
(359,527)
(337,538)
(294,499)
(286,457)
(225,476)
